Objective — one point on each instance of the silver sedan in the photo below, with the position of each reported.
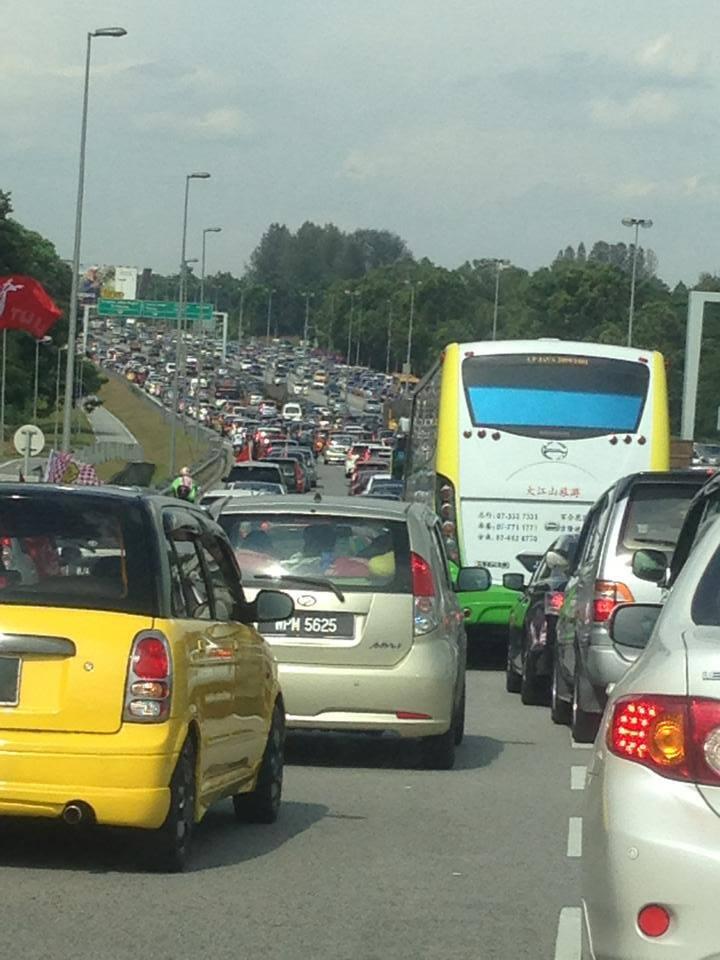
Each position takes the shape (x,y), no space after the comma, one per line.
(651,829)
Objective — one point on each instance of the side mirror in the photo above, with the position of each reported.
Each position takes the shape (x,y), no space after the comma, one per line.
(513,581)
(272,606)
(650,565)
(631,624)
(556,560)
(473,579)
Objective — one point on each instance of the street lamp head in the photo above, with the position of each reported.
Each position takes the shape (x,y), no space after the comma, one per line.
(212,230)
(646,223)
(192,260)
(201,175)
(109,32)
(628,222)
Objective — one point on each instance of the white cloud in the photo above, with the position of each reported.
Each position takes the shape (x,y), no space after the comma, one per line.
(661,53)
(648,108)
(221,123)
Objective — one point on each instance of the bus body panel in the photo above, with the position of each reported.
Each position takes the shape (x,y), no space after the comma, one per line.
(514,489)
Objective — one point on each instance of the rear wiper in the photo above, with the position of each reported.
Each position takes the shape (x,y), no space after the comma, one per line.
(305,582)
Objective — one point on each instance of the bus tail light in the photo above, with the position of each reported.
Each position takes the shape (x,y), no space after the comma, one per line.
(608,594)
(446,508)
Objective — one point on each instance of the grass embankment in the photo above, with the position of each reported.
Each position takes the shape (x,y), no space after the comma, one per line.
(151,430)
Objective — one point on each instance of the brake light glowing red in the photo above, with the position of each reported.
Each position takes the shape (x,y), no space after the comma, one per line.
(422,579)
(653,920)
(151,661)
(677,737)
(608,594)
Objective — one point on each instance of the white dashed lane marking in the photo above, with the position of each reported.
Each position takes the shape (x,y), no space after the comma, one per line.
(577,778)
(574,840)
(568,943)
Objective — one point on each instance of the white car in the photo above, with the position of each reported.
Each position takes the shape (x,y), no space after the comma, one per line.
(292,412)
(651,826)
(336,449)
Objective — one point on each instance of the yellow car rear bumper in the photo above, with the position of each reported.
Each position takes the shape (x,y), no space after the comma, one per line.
(123,777)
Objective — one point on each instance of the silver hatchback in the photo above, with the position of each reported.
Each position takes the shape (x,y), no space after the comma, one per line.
(378,641)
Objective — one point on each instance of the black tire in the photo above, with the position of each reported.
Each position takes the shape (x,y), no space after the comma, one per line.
(560,710)
(533,689)
(512,680)
(584,724)
(460,719)
(167,849)
(438,753)
(262,805)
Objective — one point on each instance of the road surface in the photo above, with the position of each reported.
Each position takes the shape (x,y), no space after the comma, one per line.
(371,859)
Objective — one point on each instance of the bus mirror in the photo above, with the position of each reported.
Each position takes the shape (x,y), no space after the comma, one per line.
(471,579)
(649,565)
(513,581)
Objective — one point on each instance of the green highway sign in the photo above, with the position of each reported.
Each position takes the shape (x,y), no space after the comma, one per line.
(153,309)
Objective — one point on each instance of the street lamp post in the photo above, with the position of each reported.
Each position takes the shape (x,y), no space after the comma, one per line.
(408,356)
(72,317)
(181,320)
(636,222)
(57,396)
(44,341)
(306,327)
(205,232)
(500,265)
(352,294)
(269,315)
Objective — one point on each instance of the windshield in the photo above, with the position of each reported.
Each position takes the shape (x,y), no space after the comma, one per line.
(356,554)
(66,551)
(555,395)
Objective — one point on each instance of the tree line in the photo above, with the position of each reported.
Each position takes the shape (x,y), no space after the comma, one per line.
(358,288)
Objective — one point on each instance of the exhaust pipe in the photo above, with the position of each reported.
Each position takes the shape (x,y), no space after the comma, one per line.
(75,813)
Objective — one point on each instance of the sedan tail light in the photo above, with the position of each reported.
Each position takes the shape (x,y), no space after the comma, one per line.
(677,737)
(608,594)
(553,601)
(149,680)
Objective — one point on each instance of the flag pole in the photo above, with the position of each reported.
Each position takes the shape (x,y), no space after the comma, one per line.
(2,388)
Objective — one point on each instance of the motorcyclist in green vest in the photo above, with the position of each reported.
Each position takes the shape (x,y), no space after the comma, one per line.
(184,487)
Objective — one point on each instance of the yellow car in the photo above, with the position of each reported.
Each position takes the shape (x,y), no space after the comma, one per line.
(134,690)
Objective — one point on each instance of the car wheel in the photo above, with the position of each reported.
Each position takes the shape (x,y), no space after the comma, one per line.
(512,679)
(460,719)
(559,707)
(438,753)
(584,725)
(533,689)
(262,805)
(167,849)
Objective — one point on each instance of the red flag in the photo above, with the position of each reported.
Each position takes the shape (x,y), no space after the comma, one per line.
(24,305)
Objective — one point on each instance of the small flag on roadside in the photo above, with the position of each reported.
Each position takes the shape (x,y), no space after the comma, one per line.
(64,468)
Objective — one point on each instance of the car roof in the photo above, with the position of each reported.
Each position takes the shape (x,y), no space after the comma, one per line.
(659,476)
(327,506)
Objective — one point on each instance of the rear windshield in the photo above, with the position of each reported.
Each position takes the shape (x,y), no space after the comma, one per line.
(362,554)
(654,515)
(67,551)
(263,474)
(555,395)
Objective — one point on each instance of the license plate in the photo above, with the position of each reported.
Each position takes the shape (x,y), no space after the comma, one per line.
(9,681)
(320,625)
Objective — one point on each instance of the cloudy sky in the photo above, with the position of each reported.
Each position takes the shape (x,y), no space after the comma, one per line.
(471,127)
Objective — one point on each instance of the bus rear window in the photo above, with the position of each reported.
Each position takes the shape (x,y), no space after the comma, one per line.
(555,395)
